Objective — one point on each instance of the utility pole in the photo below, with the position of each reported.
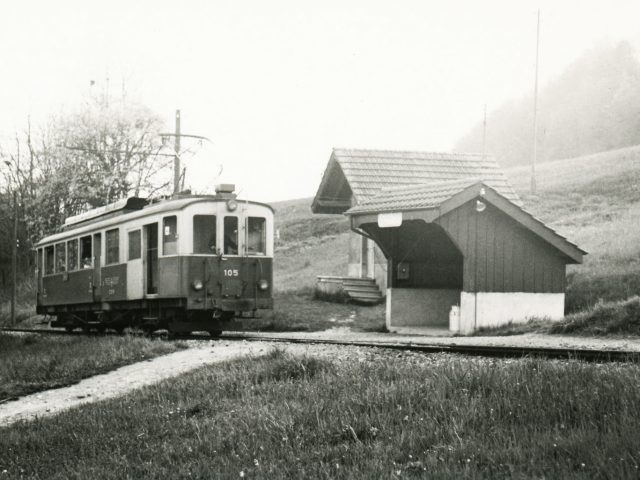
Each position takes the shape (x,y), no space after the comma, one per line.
(484,132)
(14,259)
(176,158)
(535,113)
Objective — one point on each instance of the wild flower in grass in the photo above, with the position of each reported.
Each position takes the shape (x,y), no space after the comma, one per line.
(256,462)
(241,473)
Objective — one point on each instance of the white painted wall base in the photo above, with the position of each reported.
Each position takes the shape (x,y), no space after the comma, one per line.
(489,309)
(416,307)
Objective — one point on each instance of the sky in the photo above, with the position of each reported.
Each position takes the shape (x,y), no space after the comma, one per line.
(276,85)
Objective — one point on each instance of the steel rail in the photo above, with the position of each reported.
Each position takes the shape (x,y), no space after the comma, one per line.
(494,351)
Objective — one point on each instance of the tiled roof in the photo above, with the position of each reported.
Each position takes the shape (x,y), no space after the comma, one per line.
(369,171)
(413,197)
(433,195)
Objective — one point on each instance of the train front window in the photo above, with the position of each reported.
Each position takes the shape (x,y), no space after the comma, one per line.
(230,235)
(86,260)
(61,258)
(112,239)
(204,234)
(169,235)
(256,236)
(49,260)
(72,255)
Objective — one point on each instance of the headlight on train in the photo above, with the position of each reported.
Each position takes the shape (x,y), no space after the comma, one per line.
(263,284)
(197,285)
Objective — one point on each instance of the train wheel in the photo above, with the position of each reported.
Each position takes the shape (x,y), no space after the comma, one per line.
(215,333)
(119,329)
(68,329)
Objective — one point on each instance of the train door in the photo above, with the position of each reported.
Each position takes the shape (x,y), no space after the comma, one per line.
(151,258)
(39,259)
(97,274)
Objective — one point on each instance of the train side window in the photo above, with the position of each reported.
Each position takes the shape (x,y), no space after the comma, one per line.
(49,260)
(134,245)
(256,236)
(86,260)
(72,255)
(204,234)
(61,257)
(112,238)
(169,235)
(231,235)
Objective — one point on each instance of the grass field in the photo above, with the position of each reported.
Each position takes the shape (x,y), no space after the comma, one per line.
(31,363)
(361,416)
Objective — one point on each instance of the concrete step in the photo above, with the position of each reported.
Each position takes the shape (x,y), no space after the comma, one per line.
(359,281)
(362,288)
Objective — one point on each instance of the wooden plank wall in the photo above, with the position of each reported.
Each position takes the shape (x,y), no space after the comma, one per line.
(501,256)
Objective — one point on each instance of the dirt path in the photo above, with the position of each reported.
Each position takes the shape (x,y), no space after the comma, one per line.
(125,379)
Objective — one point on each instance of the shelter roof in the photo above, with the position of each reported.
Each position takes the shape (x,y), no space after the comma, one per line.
(363,173)
(438,198)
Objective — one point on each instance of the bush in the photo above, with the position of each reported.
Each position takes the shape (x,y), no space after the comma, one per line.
(621,317)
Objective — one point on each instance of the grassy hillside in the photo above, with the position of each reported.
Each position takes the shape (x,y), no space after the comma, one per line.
(593,200)
(309,245)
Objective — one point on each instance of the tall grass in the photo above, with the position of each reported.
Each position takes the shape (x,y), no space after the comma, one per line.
(363,416)
(604,318)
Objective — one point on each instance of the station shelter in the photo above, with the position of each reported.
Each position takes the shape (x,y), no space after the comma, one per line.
(462,255)
(353,176)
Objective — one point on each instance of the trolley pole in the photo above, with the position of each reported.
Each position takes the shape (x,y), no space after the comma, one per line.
(176,158)
(14,259)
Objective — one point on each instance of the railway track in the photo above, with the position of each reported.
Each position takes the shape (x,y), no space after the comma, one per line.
(583,354)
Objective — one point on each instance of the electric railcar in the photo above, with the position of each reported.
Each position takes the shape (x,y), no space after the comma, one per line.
(187,263)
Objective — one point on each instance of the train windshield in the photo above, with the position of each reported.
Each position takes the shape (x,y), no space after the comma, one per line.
(204,234)
(256,236)
(230,235)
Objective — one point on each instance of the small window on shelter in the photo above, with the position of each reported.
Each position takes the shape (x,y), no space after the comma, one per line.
(112,239)
(86,260)
(61,258)
(204,234)
(134,245)
(169,235)
(72,255)
(231,235)
(256,236)
(49,260)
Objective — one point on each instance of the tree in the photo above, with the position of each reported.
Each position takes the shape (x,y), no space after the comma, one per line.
(104,151)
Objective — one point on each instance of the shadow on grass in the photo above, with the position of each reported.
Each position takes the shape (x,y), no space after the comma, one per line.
(300,311)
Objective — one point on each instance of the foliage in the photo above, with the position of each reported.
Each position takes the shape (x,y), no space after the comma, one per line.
(349,414)
(105,151)
(593,106)
(604,318)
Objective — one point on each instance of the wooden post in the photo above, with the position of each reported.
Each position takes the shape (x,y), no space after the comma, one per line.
(14,259)
(176,158)
(535,114)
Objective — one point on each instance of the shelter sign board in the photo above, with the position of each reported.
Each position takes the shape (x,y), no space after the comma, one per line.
(388,220)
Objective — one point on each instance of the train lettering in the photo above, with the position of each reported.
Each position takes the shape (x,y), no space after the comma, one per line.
(230,272)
